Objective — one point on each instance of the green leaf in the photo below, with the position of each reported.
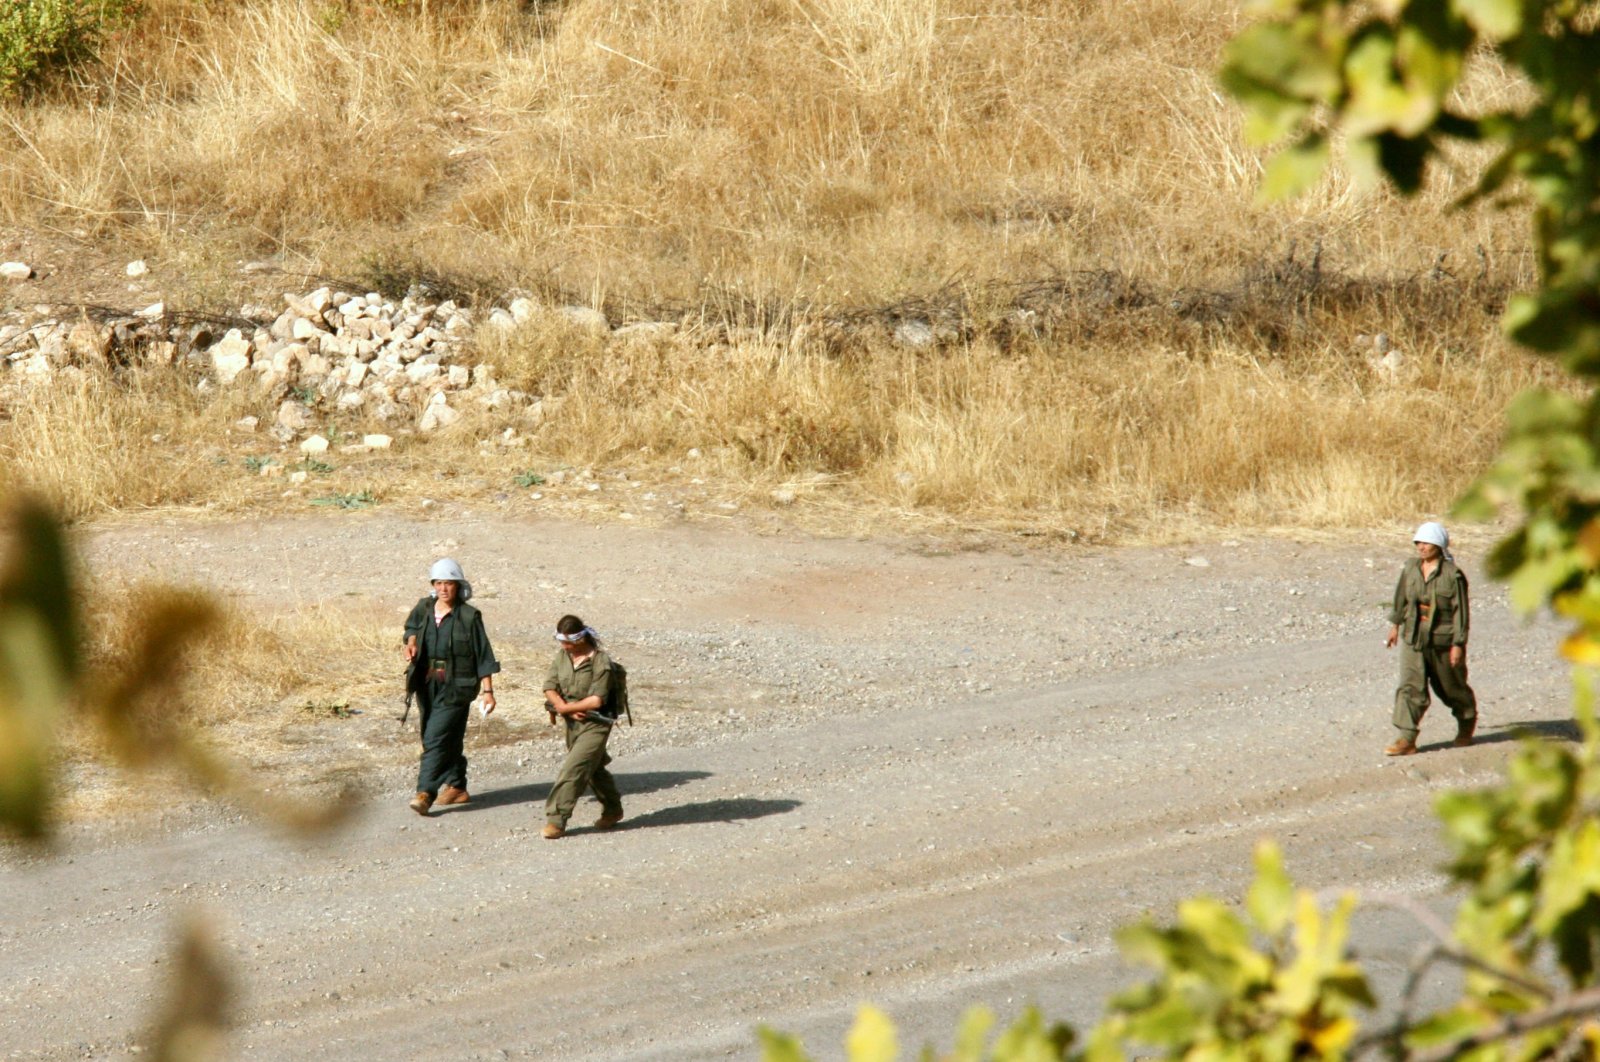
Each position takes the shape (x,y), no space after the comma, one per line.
(972,1034)
(1496,19)
(38,665)
(1271,899)
(780,1047)
(1295,169)
(872,1039)
(1572,875)
(31,696)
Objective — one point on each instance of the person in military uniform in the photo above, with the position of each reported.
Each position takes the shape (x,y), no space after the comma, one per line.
(451,661)
(578,688)
(1429,621)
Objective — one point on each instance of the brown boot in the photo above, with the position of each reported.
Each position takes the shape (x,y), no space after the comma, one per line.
(607,821)
(451,795)
(1464,733)
(421,803)
(1401,747)
(552,832)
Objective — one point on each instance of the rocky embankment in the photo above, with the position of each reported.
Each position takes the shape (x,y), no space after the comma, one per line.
(405,362)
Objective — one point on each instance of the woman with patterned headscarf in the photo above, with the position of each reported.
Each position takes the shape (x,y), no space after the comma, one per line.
(1429,621)
(579,688)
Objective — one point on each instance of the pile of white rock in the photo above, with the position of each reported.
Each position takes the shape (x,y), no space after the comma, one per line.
(391,361)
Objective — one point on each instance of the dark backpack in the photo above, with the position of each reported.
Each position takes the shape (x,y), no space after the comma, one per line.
(619,691)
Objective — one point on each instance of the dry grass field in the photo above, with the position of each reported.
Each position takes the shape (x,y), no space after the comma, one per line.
(1129,346)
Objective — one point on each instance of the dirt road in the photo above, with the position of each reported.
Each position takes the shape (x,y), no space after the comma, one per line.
(905,772)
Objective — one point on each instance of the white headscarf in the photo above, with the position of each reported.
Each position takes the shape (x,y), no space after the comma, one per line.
(445,569)
(1435,535)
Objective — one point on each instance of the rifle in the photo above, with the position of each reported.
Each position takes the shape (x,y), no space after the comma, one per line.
(411,675)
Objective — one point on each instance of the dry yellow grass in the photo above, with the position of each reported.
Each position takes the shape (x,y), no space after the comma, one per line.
(774,171)
(255,686)
(839,151)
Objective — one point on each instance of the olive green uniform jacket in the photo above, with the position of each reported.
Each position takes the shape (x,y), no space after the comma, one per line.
(1433,616)
(585,765)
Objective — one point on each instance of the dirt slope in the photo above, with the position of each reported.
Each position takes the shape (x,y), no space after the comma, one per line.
(895,771)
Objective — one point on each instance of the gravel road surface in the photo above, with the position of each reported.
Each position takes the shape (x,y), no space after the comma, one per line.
(912,772)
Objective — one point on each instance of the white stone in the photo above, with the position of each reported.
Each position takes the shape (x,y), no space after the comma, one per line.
(350,401)
(299,477)
(587,318)
(294,415)
(304,328)
(423,371)
(1197,562)
(437,415)
(137,268)
(460,376)
(522,309)
(316,444)
(88,342)
(1391,368)
(647,330)
(230,356)
(376,442)
(783,496)
(356,373)
(154,310)
(316,365)
(247,424)
(914,334)
(16,271)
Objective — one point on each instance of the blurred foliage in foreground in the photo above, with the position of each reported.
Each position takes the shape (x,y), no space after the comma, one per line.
(1277,981)
(131,705)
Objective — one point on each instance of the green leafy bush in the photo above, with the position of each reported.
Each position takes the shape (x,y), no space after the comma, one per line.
(38,37)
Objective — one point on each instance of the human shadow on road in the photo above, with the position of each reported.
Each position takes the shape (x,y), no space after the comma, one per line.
(1548,729)
(709,811)
(536,792)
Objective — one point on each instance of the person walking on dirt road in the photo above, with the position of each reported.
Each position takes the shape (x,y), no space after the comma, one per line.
(1429,620)
(450,659)
(578,688)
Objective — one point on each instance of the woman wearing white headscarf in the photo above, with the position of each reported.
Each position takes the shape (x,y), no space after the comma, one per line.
(451,660)
(1429,621)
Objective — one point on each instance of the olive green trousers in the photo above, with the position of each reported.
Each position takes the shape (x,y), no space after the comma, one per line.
(584,768)
(1428,667)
